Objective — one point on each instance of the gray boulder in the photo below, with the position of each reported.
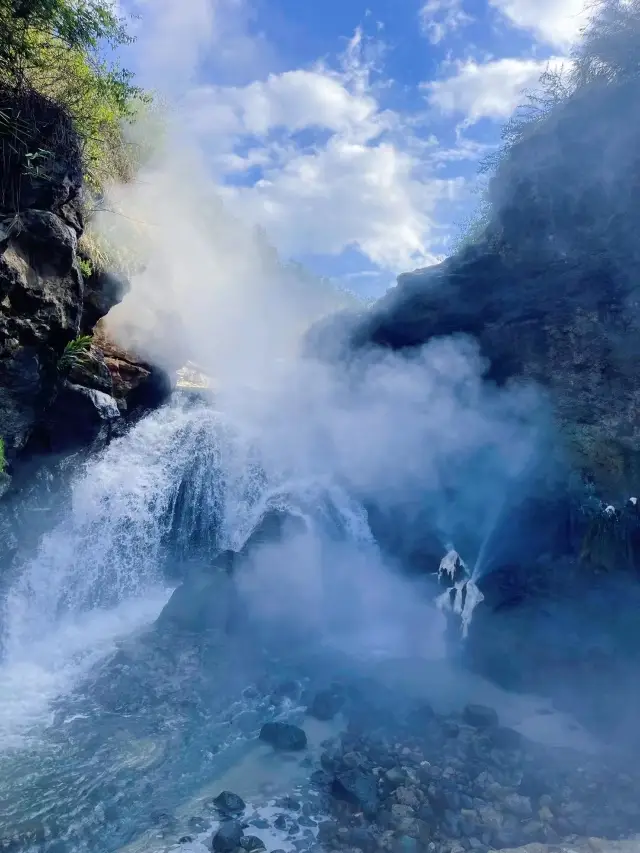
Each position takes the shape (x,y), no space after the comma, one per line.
(229,803)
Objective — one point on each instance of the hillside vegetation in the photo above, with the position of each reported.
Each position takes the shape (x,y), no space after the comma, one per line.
(53,52)
(605,58)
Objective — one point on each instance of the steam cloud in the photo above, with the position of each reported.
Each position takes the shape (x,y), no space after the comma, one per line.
(421,434)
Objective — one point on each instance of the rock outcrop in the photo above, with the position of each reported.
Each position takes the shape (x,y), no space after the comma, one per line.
(50,297)
(551,290)
(551,294)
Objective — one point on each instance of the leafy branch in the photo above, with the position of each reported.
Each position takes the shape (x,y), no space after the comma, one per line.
(75,352)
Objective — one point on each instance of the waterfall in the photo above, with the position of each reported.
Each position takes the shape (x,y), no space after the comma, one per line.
(184,483)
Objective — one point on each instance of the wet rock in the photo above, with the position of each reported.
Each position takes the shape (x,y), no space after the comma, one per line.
(326,704)
(490,818)
(284,736)
(399,811)
(480,716)
(358,789)
(328,832)
(251,843)
(407,797)
(395,777)
(79,416)
(289,803)
(504,738)
(280,822)
(228,837)
(321,779)
(518,805)
(186,839)
(203,603)
(229,803)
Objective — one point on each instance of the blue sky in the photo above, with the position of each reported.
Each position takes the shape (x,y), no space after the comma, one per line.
(350,130)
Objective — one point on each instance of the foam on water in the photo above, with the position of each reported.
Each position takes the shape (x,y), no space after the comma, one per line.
(51,666)
(186,477)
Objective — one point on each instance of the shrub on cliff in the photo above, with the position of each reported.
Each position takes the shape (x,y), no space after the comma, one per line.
(606,55)
(52,51)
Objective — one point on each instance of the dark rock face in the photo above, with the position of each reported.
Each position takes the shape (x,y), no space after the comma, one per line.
(284,736)
(551,291)
(46,302)
(43,308)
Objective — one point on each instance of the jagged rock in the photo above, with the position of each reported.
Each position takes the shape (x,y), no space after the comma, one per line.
(284,736)
(91,371)
(102,290)
(137,385)
(44,304)
(79,416)
(41,307)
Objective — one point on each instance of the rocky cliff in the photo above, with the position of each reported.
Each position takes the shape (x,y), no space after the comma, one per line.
(551,290)
(551,293)
(65,388)
(59,387)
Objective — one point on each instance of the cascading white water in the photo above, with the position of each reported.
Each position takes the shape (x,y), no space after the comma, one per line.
(184,476)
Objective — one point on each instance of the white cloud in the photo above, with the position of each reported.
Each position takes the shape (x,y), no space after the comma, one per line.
(321,165)
(347,194)
(486,90)
(438,18)
(294,100)
(554,22)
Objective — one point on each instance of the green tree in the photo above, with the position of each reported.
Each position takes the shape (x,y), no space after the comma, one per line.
(29,26)
(56,48)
